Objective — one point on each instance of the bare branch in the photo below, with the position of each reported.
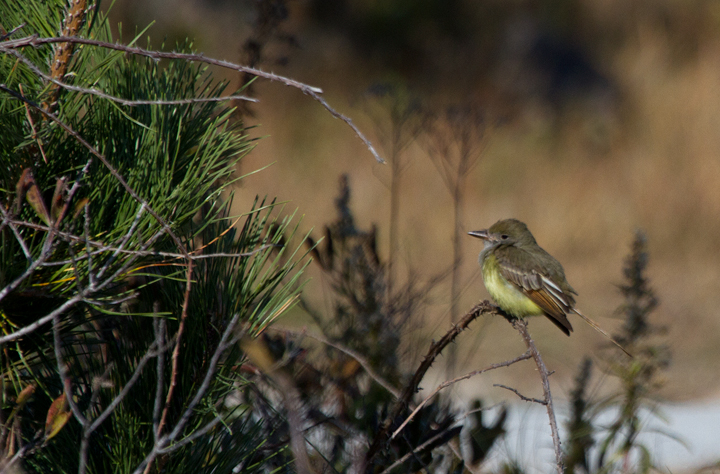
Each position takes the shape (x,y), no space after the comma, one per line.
(313,92)
(522,397)
(32,126)
(521,326)
(44,254)
(174,365)
(436,348)
(42,321)
(447,383)
(153,351)
(164,441)
(102,247)
(417,450)
(159,325)
(189,439)
(120,100)
(123,241)
(12,32)
(7,220)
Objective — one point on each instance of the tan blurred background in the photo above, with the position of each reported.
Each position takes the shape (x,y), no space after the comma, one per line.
(601,117)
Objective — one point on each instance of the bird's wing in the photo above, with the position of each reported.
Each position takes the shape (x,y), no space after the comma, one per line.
(542,291)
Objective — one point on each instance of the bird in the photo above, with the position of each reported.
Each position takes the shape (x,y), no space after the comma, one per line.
(525,280)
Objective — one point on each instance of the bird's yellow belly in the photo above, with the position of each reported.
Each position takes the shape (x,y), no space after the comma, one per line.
(505,294)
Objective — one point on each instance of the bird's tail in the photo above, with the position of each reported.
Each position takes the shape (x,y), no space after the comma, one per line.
(597,327)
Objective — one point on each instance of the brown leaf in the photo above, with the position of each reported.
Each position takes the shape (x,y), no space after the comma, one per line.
(27,187)
(21,187)
(58,200)
(57,416)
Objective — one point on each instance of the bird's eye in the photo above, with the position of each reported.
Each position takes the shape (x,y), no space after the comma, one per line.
(504,237)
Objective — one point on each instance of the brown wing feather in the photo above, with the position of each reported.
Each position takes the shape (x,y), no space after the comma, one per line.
(543,293)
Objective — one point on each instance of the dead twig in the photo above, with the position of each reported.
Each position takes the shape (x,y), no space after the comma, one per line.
(447,383)
(522,397)
(521,326)
(436,348)
(313,92)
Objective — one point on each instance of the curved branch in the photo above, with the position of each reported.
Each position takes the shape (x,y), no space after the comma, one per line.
(436,348)
(313,92)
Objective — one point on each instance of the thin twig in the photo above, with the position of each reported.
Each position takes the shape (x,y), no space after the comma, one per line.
(522,397)
(32,124)
(447,383)
(120,100)
(64,376)
(102,247)
(521,327)
(198,433)
(416,450)
(123,241)
(159,325)
(44,254)
(164,441)
(313,92)
(12,32)
(10,223)
(153,351)
(175,359)
(88,251)
(436,348)
(8,467)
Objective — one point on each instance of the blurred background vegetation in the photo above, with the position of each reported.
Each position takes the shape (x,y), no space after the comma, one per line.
(600,117)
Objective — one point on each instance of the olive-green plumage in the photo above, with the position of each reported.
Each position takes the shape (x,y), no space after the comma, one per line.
(523,278)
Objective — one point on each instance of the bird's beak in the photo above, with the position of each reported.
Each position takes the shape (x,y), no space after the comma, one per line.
(480,234)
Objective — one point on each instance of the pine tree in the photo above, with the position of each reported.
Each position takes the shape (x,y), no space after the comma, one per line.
(125,283)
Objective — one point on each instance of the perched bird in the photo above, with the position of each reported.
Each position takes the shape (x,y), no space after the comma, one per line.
(525,280)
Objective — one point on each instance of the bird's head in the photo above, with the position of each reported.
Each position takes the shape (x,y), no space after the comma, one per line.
(505,232)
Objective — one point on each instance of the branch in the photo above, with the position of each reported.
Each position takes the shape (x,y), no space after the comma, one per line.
(120,100)
(102,247)
(447,383)
(163,442)
(313,92)
(522,397)
(417,450)
(9,222)
(436,348)
(12,32)
(521,327)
